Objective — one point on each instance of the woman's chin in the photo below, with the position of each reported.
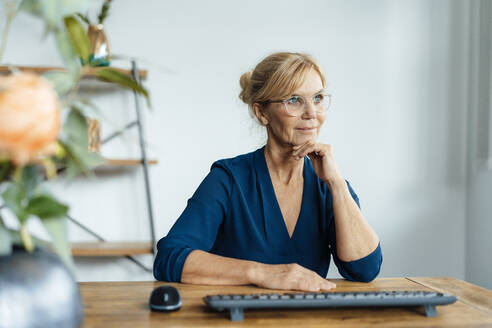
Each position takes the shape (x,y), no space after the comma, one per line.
(305,138)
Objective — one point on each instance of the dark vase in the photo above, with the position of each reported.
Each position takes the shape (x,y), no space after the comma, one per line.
(37,290)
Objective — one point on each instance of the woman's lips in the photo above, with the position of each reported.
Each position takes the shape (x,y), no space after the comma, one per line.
(307,130)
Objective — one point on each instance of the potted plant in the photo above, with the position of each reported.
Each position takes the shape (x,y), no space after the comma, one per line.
(31,276)
(37,142)
(100,51)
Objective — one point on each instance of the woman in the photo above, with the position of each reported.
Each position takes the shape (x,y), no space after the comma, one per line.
(273,217)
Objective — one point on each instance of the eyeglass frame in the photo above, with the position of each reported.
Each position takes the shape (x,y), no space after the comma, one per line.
(284,101)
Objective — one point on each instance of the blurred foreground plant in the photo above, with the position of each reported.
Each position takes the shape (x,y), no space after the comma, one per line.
(43,128)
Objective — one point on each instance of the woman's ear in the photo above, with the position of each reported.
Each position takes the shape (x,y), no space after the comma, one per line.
(260,114)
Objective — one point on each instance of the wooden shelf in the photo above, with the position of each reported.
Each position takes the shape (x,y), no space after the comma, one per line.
(126,162)
(111,248)
(87,71)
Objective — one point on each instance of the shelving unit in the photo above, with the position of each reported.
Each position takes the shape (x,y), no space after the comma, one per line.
(111,248)
(102,247)
(87,72)
(127,162)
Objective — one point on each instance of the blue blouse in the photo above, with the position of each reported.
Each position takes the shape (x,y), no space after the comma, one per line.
(235,213)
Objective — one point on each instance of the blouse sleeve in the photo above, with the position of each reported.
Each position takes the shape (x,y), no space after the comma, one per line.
(364,269)
(197,226)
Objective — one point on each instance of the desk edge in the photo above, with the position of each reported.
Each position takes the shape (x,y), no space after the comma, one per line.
(461,298)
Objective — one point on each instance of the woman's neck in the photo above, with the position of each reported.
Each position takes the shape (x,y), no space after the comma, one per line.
(281,164)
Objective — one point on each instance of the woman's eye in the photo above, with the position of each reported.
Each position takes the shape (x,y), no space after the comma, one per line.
(293,100)
(318,99)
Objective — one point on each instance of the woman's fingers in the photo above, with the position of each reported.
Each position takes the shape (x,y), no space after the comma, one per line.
(295,277)
(308,148)
(327,285)
(323,283)
(303,150)
(316,285)
(307,280)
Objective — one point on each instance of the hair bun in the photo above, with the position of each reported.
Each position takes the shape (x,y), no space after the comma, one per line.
(245,82)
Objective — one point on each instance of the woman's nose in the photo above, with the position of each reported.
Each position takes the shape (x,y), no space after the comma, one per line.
(309,110)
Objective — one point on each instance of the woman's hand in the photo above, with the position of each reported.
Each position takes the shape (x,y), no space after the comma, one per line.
(322,158)
(289,276)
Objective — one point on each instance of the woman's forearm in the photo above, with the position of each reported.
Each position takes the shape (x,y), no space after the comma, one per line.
(209,269)
(354,236)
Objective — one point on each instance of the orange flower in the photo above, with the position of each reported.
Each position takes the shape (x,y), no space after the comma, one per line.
(29,117)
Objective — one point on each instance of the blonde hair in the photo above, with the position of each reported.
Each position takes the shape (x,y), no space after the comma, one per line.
(277,76)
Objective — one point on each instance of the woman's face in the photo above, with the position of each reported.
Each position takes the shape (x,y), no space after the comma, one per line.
(289,130)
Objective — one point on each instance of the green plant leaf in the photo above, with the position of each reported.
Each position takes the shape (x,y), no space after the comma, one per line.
(46,207)
(30,180)
(76,144)
(63,82)
(5,170)
(84,18)
(57,229)
(80,161)
(53,11)
(114,76)
(5,239)
(75,128)
(33,7)
(17,194)
(90,106)
(67,52)
(79,38)
(14,198)
(104,11)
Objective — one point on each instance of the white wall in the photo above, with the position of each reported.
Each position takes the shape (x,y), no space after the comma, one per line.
(398,124)
(479,206)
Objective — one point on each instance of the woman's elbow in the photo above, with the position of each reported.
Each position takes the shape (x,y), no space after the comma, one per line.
(365,270)
(158,270)
(164,263)
(169,261)
(369,275)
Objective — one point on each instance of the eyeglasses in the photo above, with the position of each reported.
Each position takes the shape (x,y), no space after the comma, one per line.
(296,105)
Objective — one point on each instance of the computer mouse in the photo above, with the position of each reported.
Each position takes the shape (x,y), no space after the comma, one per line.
(165,298)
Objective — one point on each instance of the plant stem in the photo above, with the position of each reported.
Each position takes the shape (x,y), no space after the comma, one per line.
(26,238)
(18,173)
(10,8)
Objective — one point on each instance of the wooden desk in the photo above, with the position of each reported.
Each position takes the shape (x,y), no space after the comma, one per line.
(125,304)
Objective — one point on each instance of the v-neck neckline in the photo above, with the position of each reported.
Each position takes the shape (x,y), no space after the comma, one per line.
(273,195)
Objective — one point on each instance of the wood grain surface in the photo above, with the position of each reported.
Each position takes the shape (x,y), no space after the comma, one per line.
(125,304)
(100,248)
(470,294)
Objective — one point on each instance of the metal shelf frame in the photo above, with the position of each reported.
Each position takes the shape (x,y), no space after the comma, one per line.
(145,164)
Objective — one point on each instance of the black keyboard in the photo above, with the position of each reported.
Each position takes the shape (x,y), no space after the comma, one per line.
(236,304)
